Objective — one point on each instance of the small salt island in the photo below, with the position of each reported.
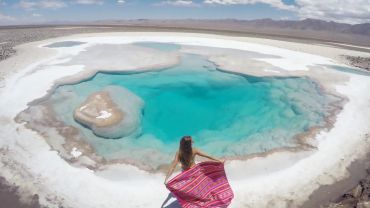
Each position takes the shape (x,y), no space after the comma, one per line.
(113,112)
(98,110)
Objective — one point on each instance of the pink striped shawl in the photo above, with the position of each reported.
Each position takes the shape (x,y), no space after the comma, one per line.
(203,185)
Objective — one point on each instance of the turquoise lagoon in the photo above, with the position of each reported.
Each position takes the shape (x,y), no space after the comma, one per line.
(227,114)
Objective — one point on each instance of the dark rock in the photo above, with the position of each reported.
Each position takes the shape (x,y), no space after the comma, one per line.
(347,196)
(9,197)
(360,62)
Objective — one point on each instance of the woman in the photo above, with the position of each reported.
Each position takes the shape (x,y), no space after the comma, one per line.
(186,156)
(198,185)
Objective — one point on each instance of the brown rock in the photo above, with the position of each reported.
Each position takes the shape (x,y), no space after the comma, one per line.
(349,202)
(365,197)
(332,205)
(363,204)
(357,192)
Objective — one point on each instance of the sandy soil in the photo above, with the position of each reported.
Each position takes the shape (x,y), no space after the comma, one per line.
(282,179)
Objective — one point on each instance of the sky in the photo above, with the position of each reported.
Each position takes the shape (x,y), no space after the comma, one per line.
(43,11)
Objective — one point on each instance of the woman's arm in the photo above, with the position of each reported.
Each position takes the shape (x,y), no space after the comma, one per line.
(200,153)
(172,167)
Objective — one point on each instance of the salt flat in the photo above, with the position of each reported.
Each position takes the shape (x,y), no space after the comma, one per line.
(280,179)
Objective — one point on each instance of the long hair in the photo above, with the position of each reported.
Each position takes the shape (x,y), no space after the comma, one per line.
(186,151)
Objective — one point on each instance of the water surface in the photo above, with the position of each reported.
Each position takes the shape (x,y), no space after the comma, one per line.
(166,47)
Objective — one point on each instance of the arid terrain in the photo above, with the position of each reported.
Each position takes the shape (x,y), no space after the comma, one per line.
(355,193)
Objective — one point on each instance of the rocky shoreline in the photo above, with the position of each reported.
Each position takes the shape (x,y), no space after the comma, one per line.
(358,197)
(9,197)
(6,50)
(357,61)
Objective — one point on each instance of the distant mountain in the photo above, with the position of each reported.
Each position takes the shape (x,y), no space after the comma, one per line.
(312,24)
(302,30)
(306,24)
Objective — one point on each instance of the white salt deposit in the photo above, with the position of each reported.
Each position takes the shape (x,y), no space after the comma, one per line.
(75,153)
(104,114)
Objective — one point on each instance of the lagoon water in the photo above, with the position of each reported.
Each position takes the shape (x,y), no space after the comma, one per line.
(227,114)
(166,47)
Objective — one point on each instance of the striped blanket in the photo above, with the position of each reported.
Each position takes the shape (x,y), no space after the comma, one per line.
(203,185)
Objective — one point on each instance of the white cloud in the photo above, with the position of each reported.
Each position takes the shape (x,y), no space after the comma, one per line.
(43,4)
(347,11)
(178,3)
(121,1)
(6,18)
(27,4)
(54,4)
(36,15)
(274,3)
(89,2)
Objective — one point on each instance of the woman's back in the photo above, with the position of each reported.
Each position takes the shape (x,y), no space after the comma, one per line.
(186,153)
(186,156)
(191,160)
